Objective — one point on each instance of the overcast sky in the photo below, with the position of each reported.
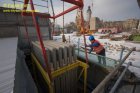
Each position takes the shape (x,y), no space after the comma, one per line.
(108,10)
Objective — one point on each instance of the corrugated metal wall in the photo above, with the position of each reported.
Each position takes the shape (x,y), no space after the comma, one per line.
(11,25)
(7,64)
(24,82)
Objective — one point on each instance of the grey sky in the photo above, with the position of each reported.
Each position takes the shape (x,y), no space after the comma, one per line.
(107,10)
(116,9)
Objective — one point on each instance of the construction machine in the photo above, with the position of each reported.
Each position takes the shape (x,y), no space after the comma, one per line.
(86,22)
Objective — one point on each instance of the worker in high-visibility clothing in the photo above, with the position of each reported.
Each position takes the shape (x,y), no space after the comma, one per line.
(98,48)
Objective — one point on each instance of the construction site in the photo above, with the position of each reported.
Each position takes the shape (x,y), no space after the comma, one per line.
(40,54)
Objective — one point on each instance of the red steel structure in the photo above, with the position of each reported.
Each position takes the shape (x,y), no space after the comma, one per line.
(77,4)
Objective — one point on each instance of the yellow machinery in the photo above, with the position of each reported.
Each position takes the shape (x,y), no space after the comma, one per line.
(79,24)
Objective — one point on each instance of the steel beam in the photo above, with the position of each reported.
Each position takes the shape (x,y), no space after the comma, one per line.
(75,2)
(66,11)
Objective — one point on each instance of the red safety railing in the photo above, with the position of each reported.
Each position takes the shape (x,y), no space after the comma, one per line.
(77,4)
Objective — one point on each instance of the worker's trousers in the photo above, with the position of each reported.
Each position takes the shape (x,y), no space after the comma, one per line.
(102,59)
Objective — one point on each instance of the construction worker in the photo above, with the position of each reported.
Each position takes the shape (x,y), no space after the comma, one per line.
(97,47)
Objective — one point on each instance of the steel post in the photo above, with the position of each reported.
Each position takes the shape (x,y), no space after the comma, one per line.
(66,11)
(120,78)
(78,45)
(121,54)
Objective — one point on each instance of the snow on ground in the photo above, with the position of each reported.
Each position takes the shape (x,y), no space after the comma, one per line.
(113,48)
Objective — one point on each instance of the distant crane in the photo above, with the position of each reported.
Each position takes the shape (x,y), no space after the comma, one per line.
(87,21)
(138,2)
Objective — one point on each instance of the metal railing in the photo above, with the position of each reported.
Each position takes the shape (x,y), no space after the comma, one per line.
(98,59)
(100,87)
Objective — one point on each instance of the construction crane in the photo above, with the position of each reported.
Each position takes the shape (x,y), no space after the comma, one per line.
(87,21)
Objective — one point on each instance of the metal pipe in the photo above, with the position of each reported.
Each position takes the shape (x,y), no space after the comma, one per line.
(48,69)
(133,65)
(53,28)
(121,54)
(66,11)
(75,2)
(48,16)
(120,78)
(80,50)
(78,45)
(52,7)
(25,4)
(109,76)
(82,24)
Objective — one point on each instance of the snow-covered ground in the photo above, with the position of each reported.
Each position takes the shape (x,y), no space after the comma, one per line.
(113,48)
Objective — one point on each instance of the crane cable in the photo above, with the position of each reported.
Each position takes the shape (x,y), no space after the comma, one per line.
(53,18)
(63,18)
(82,24)
(63,36)
(53,15)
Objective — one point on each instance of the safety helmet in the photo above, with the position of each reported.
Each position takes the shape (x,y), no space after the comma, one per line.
(91,37)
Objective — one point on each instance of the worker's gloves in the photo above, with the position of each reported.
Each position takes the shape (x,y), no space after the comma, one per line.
(87,45)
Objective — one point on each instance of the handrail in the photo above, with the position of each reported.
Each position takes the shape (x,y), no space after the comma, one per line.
(120,78)
(97,55)
(110,75)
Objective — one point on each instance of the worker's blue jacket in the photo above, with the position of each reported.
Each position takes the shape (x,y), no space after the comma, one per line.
(95,46)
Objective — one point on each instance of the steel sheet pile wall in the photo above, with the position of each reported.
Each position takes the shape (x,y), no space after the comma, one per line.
(24,82)
(59,55)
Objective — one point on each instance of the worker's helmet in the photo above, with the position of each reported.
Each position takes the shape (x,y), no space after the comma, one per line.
(91,37)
